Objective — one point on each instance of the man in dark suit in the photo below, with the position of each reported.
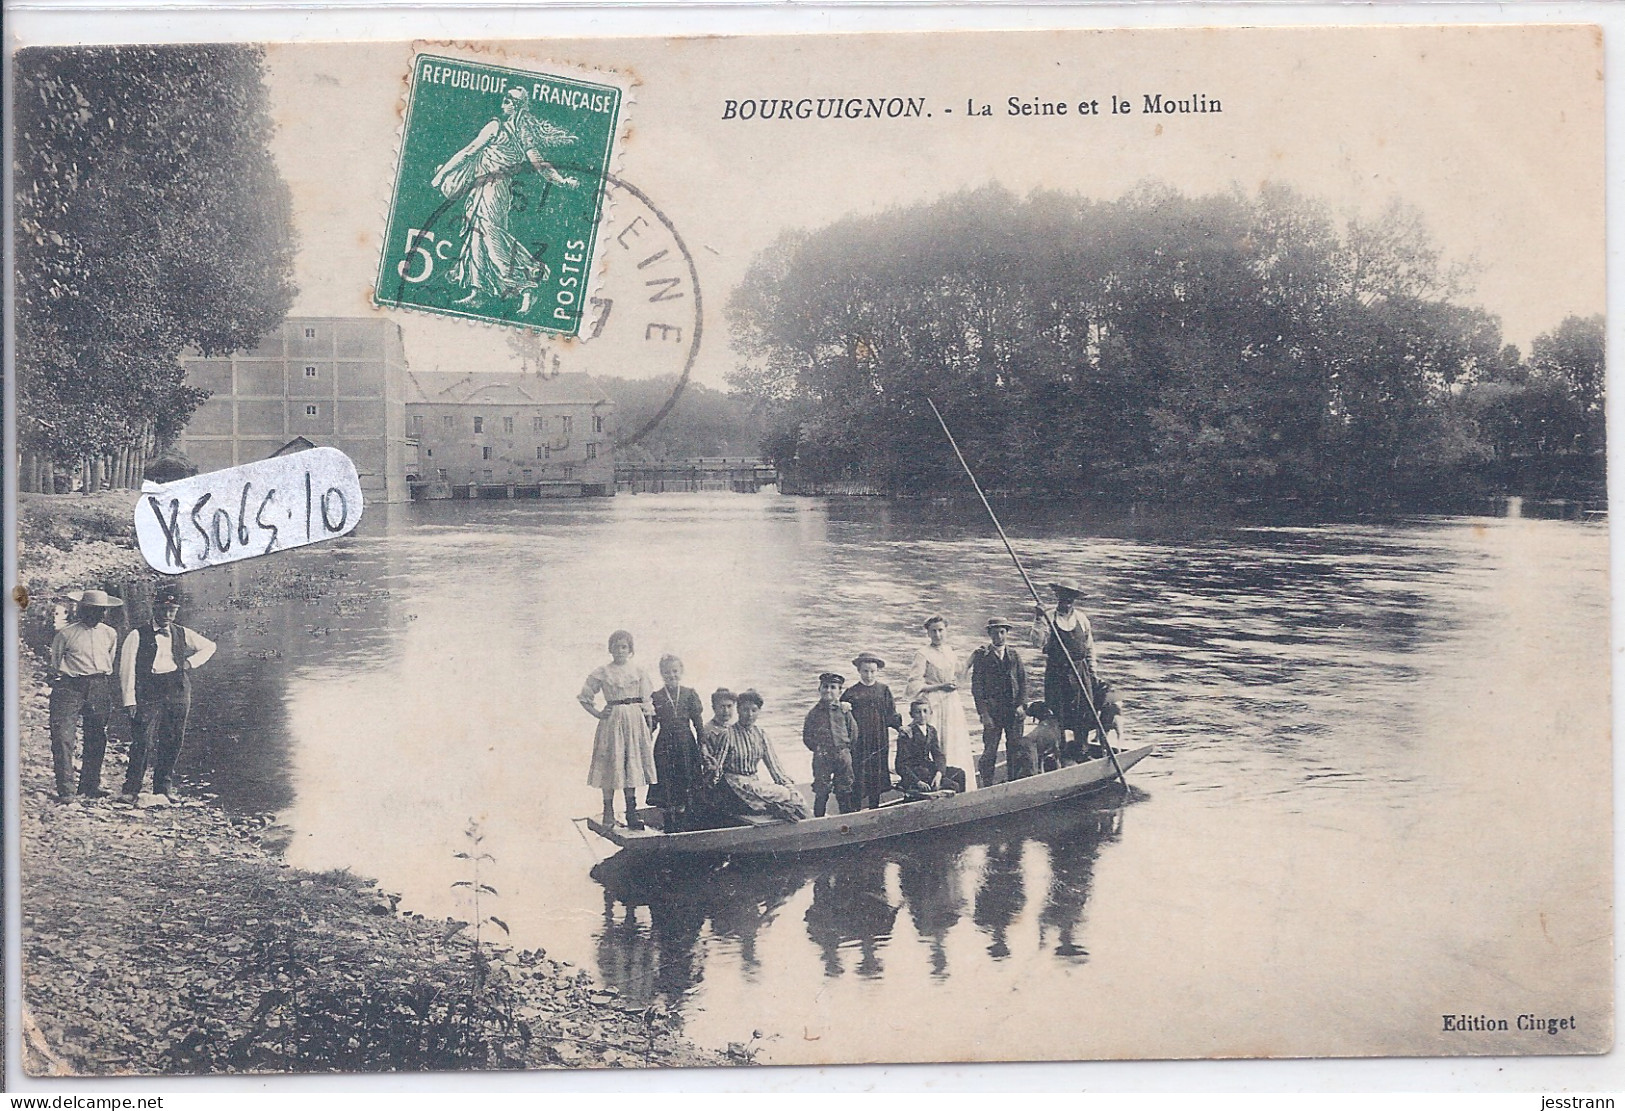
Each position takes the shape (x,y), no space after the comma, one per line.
(998,682)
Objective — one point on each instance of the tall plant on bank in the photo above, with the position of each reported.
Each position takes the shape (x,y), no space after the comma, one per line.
(477,889)
(150,217)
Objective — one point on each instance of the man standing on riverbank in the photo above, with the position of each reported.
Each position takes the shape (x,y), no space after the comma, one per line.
(155,672)
(82,689)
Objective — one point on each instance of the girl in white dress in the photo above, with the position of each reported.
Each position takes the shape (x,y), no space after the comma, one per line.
(623,756)
(935,673)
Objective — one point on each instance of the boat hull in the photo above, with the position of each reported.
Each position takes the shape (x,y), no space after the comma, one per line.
(896,820)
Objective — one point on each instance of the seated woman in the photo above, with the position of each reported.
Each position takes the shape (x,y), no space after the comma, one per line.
(734,753)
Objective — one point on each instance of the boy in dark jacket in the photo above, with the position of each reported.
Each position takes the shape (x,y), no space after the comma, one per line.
(829,732)
(920,763)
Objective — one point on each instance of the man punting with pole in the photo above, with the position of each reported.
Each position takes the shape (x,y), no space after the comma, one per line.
(1072,664)
(1064,635)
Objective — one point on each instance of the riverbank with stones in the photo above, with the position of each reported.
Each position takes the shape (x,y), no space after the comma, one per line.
(172,939)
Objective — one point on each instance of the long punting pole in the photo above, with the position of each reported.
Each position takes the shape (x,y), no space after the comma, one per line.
(1033,590)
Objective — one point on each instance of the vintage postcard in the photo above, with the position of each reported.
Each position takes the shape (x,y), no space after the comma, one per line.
(812,549)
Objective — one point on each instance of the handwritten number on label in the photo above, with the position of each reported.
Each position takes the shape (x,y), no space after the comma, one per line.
(197,524)
(221,542)
(171,527)
(344,509)
(246,511)
(259,519)
(242,516)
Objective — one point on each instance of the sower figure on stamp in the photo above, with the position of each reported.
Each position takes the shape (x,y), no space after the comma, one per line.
(830,732)
(155,678)
(82,655)
(1062,633)
(491,262)
(998,683)
(875,711)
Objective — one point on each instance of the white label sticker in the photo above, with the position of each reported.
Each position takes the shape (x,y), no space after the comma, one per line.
(252,510)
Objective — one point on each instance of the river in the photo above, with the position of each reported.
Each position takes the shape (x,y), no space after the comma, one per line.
(1382,793)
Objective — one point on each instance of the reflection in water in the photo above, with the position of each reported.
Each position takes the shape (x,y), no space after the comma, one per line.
(1072,865)
(850,914)
(849,906)
(1001,896)
(930,886)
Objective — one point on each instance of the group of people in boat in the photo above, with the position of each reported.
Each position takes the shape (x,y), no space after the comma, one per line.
(706,772)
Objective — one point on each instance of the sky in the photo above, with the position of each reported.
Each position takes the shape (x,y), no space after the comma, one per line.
(1494,133)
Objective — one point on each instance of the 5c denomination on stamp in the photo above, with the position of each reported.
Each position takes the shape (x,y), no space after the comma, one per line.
(498,194)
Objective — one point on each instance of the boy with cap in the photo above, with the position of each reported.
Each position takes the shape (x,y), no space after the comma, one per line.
(998,683)
(155,677)
(82,689)
(829,732)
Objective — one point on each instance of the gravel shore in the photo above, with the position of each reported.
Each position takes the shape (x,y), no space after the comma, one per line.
(171,939)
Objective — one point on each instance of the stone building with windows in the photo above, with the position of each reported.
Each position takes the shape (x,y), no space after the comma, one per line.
(331,381)
(503,434)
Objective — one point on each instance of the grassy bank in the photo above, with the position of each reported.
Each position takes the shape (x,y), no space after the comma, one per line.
(172,939)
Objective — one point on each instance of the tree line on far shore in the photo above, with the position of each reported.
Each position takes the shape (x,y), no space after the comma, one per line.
(1160,346)
(150,218)
(1157,347)
(705,422)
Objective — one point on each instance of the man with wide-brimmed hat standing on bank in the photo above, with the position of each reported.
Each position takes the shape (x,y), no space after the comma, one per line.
(1064,632)
(82,654)
(998,685)
(155,678)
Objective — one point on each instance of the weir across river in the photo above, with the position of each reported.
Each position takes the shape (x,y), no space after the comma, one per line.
(740,475)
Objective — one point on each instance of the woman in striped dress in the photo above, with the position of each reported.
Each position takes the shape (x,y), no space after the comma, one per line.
(735,753)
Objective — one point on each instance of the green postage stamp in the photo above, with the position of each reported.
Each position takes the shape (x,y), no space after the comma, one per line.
(498,194)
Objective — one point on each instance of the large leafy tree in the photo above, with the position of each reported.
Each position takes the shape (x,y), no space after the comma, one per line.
(1543,419)
(1572,357)
(1157,345)
(150,217)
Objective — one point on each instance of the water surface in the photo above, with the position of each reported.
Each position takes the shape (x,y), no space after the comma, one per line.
(1382,794)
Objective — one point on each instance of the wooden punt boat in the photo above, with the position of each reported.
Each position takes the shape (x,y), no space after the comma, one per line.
(897,818)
